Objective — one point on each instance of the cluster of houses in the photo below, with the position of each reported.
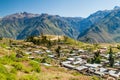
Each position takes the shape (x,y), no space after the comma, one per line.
(80,64)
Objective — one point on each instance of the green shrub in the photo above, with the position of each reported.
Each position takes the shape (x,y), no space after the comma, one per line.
(17,66)
(3,45)
(46,60)
(27,70)
(3,69)
(6,60)
(22,59)
(12,57)
(76,74)
(2,76)
(36,66)
(38,60)
(95,78)
(11,77)
(5,75)
(13,70)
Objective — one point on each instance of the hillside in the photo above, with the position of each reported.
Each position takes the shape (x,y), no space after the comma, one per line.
(17,64)
(22,25)
(92,19)
(105,30)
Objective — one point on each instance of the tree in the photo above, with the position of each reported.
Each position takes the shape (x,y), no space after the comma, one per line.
(1,38)
(88,39)
(41,34)
(96,46)
(58,51)
(19,54)
(44,39)
(96,58)
(49,44)
(118,46)
(111,58)
(59,39)
(29,39)
(65,38)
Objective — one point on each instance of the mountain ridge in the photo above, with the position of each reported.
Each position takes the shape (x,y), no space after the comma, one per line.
(21,25)
(98,25)
(106,30)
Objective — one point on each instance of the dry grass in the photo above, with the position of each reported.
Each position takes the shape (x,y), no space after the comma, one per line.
(4,51)
(55,73)
(112,45)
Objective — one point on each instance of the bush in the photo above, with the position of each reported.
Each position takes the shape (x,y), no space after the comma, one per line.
(46,60)
(13,70)
(12,57)
(20,54)
(11,77)
(36,66)
(27,70)
(2,76)
(1,38)
(3,69)
(5,75)
(17,66)
(76,74)
(3,45)
(95,78)
(22,59)
(7,59)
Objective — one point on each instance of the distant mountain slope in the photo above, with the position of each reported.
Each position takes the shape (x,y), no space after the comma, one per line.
(21,25)
(105,30)
(57,25)
(11,29)
(92,19)
(12,25)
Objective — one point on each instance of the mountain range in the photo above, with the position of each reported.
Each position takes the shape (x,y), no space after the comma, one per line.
(105,30)
(22,25)
(101,26)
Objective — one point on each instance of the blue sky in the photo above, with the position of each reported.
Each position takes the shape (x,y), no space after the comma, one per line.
(69,8)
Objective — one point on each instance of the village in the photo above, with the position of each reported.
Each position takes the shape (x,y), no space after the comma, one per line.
(83,59)
(78,59)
